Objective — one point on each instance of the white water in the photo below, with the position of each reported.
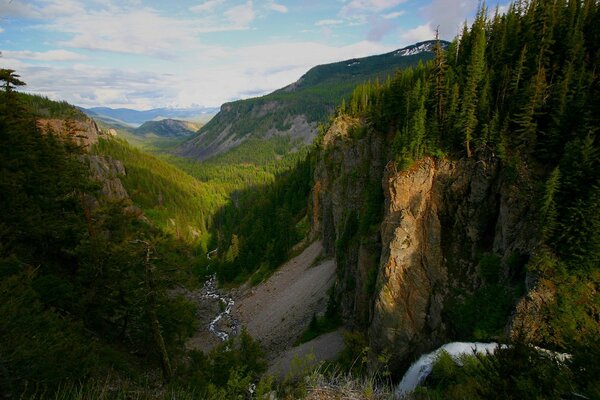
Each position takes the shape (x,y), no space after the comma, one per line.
(421,369)
(210,291)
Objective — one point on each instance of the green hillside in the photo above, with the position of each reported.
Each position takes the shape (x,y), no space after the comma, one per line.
(167,128)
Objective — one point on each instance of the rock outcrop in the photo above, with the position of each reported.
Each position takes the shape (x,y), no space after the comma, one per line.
(85,133)
(104,170)
(398,272)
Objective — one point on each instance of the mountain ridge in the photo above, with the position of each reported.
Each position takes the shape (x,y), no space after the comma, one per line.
(167,127)
(135,118)
(297,109)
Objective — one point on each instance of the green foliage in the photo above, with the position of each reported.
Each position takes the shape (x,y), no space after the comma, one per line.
(354,358)
(482,315)
(43,107)
(266,222)
(177,202)
(73,295)
(228,368)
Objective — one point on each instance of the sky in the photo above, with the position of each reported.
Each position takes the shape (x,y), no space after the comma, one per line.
(144,54)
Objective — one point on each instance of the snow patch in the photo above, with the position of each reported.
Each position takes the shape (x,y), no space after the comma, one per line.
(417,49)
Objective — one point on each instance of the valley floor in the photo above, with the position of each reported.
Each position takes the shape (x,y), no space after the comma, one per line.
(278,310)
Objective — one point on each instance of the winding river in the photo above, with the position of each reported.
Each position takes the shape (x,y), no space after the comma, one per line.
(210,291)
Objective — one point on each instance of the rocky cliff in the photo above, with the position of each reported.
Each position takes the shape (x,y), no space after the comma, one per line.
(102,169)
(402,267)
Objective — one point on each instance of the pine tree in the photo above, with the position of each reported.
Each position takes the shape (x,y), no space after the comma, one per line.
(11,79)
(475,73)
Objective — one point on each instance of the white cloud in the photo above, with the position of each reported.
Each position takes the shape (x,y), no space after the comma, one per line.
(379,27)
(449,15)
(207,6)
(276,7)
(328,22)
(1,29)
(51,55)
(233,73)
(393,15)
(141,31)
(418,34)
(18,9)
(241,15)
(355,6)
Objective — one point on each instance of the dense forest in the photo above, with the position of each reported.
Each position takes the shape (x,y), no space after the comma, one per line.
(521,86)
(86,293)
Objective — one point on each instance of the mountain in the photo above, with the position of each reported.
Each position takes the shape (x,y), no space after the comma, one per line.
(167,128)
(297,109)
(129,117)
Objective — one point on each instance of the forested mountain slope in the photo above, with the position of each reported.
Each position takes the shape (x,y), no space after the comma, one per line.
(297,109)
(461,199)
(73,259)
(91,285)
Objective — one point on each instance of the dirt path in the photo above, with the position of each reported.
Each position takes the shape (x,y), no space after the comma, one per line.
(278,310)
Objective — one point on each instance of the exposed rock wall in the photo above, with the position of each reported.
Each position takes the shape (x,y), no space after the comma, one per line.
(439,216)
(84,133)
(348,166)
(102,169)
(230,128)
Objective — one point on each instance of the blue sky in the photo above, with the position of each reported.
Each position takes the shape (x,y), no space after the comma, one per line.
(148,53)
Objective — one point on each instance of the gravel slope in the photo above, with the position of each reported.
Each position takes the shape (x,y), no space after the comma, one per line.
(278,310)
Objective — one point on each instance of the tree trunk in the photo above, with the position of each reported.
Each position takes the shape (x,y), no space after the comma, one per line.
(155,325)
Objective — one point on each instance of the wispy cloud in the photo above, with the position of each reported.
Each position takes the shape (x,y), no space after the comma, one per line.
(131,31)
(329,22)
(50,55)
(418,34)
(251,70)
(394,15)
(207,6)
(379,27)
(455,12)
(371,6)
(242,15)
(272,5)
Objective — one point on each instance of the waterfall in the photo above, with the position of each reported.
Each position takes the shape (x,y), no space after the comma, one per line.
(420,369)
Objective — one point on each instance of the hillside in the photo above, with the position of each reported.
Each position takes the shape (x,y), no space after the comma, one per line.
(297,109)
(167,128)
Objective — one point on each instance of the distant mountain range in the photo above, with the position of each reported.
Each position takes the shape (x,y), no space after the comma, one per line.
(134,118)
(297,109)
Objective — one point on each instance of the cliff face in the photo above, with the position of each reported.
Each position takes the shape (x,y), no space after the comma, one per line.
(398,273)
(104,170)
(349,164)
